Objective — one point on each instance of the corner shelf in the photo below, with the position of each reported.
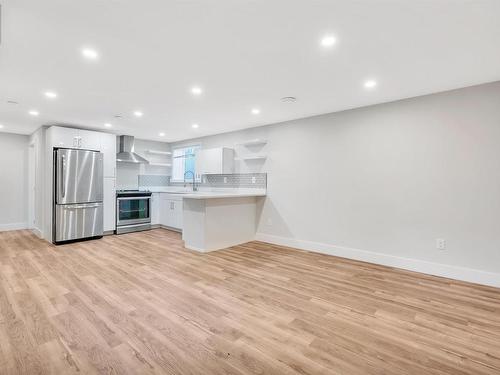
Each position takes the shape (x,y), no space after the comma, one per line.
(252,142)
(157,152)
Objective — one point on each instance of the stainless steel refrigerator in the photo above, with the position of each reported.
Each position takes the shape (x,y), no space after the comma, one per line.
(78,193)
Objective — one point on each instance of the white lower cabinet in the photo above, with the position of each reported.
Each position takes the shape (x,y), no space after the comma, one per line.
(155,208)
(109,204)
(171,211)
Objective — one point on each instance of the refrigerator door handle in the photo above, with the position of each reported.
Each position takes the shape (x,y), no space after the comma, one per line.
(63,167)
(82,206)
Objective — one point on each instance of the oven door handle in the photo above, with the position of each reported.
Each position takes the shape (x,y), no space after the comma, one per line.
(131,198)
(129,211)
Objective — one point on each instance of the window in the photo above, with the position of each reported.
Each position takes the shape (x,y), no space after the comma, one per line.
(183,160)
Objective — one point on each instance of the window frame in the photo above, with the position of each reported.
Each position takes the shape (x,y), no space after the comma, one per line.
(197,146)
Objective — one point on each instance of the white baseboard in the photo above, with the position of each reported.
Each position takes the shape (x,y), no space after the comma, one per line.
(170,228)
(13,226)
(436,269)
(37,232)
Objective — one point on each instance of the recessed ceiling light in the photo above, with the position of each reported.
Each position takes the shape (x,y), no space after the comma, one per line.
(1,126)
(195,126)
(108,125)
(90,54)
(50,94)
(34,112)
(138,113)
(161,134)
(196,90)
(328,41)
(255,111)
(370,84)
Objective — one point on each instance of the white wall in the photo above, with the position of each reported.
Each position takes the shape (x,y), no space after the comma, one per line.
(126,173)
(13,181)
(382,183)
(37,179)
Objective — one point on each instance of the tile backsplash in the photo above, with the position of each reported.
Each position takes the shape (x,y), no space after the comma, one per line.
(236,180)
(146,180)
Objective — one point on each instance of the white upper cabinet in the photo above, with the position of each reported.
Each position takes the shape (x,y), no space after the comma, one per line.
(90,140)
(108,148)
(62,137)
(215,161)
(74,138)
(171,211)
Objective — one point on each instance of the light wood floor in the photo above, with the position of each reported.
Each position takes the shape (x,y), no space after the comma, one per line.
(142,304)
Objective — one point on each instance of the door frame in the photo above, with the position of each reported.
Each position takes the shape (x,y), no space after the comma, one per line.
(32,152)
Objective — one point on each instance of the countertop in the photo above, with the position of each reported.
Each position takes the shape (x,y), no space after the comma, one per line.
(208,193)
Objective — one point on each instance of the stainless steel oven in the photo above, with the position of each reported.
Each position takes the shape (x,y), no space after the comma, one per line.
(133,211)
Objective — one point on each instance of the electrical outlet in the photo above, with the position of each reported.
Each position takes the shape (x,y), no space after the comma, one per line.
(440,244)
(253,180)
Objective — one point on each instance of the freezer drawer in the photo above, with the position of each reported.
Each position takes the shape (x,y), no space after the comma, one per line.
(77,221)
(79,177)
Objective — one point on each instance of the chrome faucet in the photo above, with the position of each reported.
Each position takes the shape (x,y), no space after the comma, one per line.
(195,188)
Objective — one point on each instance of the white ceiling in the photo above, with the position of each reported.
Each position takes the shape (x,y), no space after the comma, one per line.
(244,54)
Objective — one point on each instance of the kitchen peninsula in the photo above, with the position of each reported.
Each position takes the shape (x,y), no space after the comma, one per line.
(217,220)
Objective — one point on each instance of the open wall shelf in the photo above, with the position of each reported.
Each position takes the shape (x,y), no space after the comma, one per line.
(252,142)
(253,157)
(157,152)
(160,164)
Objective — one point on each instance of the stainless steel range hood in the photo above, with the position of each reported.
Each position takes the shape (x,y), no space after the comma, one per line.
(126,152)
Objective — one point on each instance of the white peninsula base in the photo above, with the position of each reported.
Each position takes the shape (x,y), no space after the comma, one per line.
(214,223)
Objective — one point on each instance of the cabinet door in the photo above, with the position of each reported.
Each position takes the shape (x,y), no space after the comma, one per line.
(171,216)
(108,148)
(155,209)
(209,161)
(90,140)
(227,160)
(167,213)
(109,204)
(63,137)
(164,210)
(178,214)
